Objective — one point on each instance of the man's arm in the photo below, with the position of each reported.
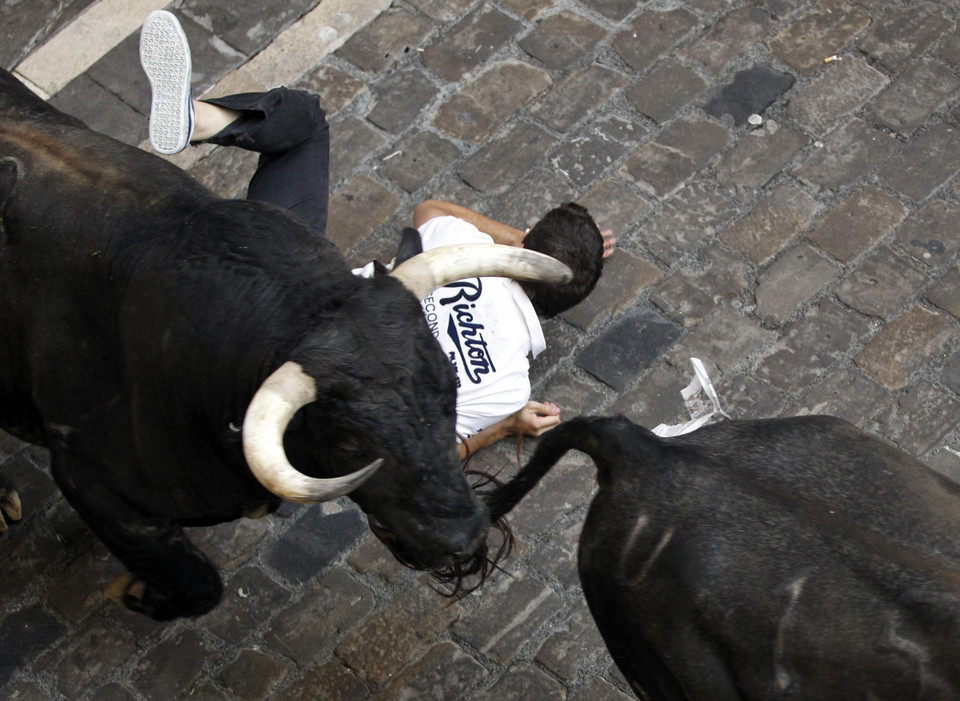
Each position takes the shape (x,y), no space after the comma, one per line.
(534,419)
(500,233)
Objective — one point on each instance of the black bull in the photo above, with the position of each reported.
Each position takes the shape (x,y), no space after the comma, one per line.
(139,315)
(775,559)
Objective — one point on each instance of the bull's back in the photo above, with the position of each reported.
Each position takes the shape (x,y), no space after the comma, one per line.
(798,557)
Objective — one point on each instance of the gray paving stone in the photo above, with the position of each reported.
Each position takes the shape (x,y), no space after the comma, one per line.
(624,277)
(533,195)
(729,38)
(469,43)
(488,101)
(904,34)
(812,346)
(226,171)
(373,557)
(352,144)
(173,665)
(24,634)
(232,27)
(336,87)
(78,590)
(568,485)
(920,90)
(578,96)
(26,26)
(379,648)
(573,396)
(498,165)
(904,346)
(252,675)
(664,91)
(615,10)
(949,49)
(849,153)
(401,97)
(930,235)
(332,681)
(313,543)
(651,35)
(823,31)
(562,39)
(723,339)
(246,596)
(922,415)
(752,91)
(662,166)
(774,222)
(846,393)
(441,10)
(928,161)
(744,397)
(232,543)
(857,223)
(689,297)
(507,617)
(655,399)
(561,339)
(419,157)
(331,606)
(797,276)
(600,690)
(574,643)
(840,89)
(357,209)
(626,349)
(596,148)
(686,219)
(83,659)
(757,158)
(529,9)
(556,560)
(946,293)
(615,206)
(946,464)
(101,111)
(950,374)
(881,284)
(445,666)
(524,681)
(383,43)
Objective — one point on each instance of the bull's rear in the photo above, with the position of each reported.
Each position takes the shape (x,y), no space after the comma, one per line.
(783,559)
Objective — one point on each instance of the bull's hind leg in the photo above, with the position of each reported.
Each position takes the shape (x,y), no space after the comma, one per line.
(9,503)
(168,577)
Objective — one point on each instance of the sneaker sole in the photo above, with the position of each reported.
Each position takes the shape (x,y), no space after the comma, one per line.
(165,57)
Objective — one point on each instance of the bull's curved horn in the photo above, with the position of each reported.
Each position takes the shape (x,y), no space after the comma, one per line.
(431,269)
(270,410)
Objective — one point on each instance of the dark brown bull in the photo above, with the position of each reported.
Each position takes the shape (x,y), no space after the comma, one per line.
(794,558)
(144,321)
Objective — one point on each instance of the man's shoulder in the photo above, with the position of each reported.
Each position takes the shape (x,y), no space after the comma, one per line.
(448,230)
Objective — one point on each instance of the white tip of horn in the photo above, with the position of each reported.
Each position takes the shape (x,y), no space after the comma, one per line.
(431,269)
(280,397)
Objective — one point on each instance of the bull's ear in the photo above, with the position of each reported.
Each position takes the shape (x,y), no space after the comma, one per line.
(410,245)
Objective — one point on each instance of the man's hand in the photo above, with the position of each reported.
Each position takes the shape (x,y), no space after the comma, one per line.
(609,241)
(535,418)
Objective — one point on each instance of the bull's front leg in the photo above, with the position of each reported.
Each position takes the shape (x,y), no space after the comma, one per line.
(168,577)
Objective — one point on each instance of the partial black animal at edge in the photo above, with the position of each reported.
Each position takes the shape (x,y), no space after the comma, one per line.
(796,558)
(144,321)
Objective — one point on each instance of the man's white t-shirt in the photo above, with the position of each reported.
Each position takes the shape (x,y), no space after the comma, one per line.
(486,327)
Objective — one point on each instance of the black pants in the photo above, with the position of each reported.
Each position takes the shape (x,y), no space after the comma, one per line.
(289,130)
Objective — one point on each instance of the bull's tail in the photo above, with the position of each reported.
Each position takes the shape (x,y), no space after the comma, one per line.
(583,433)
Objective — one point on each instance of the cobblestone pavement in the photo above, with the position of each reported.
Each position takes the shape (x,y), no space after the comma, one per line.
(810,260)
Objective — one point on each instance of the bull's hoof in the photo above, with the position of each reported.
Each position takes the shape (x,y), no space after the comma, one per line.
(138,596)
(128,591)
(10,509)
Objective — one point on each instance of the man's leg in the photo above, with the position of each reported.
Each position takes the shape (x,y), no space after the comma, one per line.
(287,127)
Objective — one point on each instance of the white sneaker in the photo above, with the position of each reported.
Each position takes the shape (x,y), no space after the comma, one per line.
(165,57)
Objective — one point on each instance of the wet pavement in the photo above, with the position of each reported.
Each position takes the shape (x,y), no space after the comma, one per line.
(782,177)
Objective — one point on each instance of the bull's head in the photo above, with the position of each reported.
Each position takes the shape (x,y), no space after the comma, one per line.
(383,395)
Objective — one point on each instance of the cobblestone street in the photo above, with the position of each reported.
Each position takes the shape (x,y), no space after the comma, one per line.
(782,179)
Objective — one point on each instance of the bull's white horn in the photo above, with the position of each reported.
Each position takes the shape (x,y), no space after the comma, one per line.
(431,269)
(280,397)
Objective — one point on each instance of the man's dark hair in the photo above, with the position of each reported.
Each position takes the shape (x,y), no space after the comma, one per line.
(569,234)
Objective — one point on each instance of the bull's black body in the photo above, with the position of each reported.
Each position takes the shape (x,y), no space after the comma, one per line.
(775,559)
(139,313)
